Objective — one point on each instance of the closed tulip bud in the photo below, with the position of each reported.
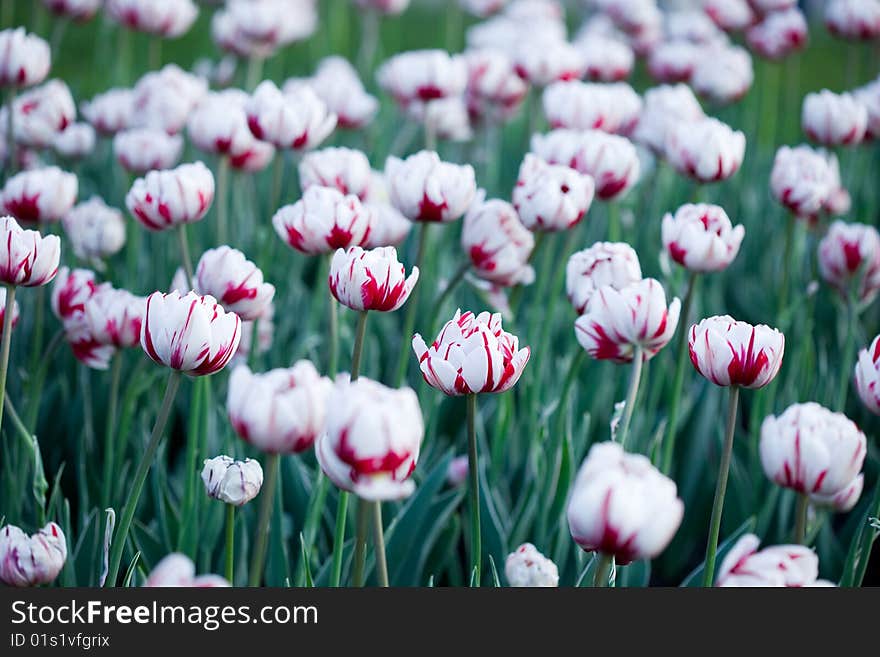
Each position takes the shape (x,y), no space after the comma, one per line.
(607,59)
(166,199)
(732,353)
(494,91)
(693,26)
(616,322)
(189,333)
(41,113)
(849,259)
(527,567)
(801,180)
(31,560)
(71,290)
(613,264)
(778,34)
(551,197)
(39,195)
(729,15)
(622,506)
(345,169)
(457,472)
(115,317)
(497,243)
(281,411)
(15,310)
(447,118)
(420,76)
(839,201)
(95,230)
(76,10)
(541,61)
(111,111)
(424,188)
(234,281)
(324,220)
(777,566)
(165,18)
(706,151)
(816,453)
(869,96)
(177,570)
(24,58)
(662,108)
(140,150)
(701,238)
(674,61)
(867,376)
(257,28)
(337,83)
(724,75)
(387,7)
(370,280)
(219,124)
(853,19)
(29,258)
(230,481)
(371,443)
(163,99)
(834,119)
(612,108)
(296,119)
(472,354)
(75,142)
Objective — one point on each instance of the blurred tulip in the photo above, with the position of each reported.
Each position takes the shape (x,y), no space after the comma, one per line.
(457,472)
(801,180)
(612,108)
(701,238)
(16,311)
(76,10)
(345,169)
(869,96)
(613,264)
(387,7)
(834,119)
(24,58)
(165,199)
(29,258)
(724,75)
(39,196)
(296,119)
(849,259)
(551,197)
(230,481)
(729,15)
(70,291)
(178,570)
(424,188)
(338,85)
(706,150)
(41,114)
(219,124)
(777,566)
(525,566)
(494,91)
(419,76)
(75,142)
(95,230)
(664,107)
(497,243)
(140,150)
(281,411)
(370,280)
(542,61)
(778,34)
(606,59)
(257,28)
(31,560)
(115,317)
(234,281)
(867,376)
(447,118)
(853,19)
(674,61)
(111,111)
(165,18)
(163,99)
(732,353)
(839,201)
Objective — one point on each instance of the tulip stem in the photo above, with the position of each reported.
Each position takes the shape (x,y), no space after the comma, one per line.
(140,476)
(185,260)
(277,182)
(633,392)
(379,544)
(369,41)
(5,344)
(339,538)
(787,265)
(10,132)
(800,523)
(222,200)
(154,54)
(258,558)
(849,344)
(333,321)
(360,544)
(613,222)
(450,286)
(230,543)
(254,73)
(721,488)
(358,345)
(474,485)
(681,355)
(412,305)
(603,571)
(110,430)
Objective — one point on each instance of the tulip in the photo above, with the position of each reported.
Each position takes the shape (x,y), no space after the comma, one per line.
(551,197)
(39,195)
(729,15)
(257,28)
(114,317)
(111,111)
(75,142)
(16,312)
(612,108)
(424,188)
(370,280)
(867,376)
(420,76)
(777,566)
(140,150)
(234,482)
(541,61)
(457,472)
(41,113)
(607,59)
(674,61)
(853,19)
(622,507)
(767,6)
(693,26)
(323,220)
(834,119)
(390,227)
(613,264)
(497,243)
(701,238)
(31,560)
(662,108)
(294,120)
(849,259)
(839,200)
(95,231)
(724,75)
(446,118)
(237,283)
(778,34)
(163,99)
(706,151)
(525,566)
(76,10)
(801,180)
(388,7)
(70,292)
(343,168)
(166,18)
(494,91)
(338,85)
(219,124)
(178,570)
(869,96)
(25,58)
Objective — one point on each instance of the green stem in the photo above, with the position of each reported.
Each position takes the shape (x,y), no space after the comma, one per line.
(720,489)
(140,476)
(634,380)
(360,543)
(681,354)
(603,571)
(185,259)
(5,344)
(379,544)
(10,133)
(313,518)
(848,354)
(787,265)
(358,344)
(223,200)
(339,538)
(267,495)
(333,321)
(412,305)
(110,430)
(369,41)
(613,222)
(230,543)
(474,488)
(800,523)
(154,60)
(277,180)
(254,73)
(39,485)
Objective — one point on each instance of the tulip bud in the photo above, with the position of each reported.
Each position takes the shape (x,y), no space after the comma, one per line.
(816,453)
(324,220)
(622,506)
(281,411)
(115,317)
(662,108)
(674,61)
(95,230)
(777,566)
(218,124)
(41,113)
(31,560)
(371,443)
(164,99)
(472,354)
(337,83)
(165,19)
(528,567)
(701,238)
(723,75)
(370,280)
(140,150)
(612,108)
(494,91)
(110,111)
(497,243)
(551,197)
(24,58)
(447,118)
(607,59)
(732,353)
(853,19)
(232,482)
(76,10)
(178,570)
(424,188)
(541,61)
(189,333)
(419,76)
(165,199)
(614,264)
(237,283)
(849,255)
(75,142)
(867,376)
(729,15)
(706,151)
(29,259)
(834,119)
(70,293)
(869,96)
(39,195)
(345,169)
(778,33)
(257,28)
(801,180)
(296,119)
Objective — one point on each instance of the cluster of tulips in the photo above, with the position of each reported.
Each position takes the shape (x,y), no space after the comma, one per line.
(366,434)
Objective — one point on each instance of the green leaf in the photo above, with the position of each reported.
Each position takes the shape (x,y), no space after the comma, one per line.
(129,573)
(495,581)
(695,578)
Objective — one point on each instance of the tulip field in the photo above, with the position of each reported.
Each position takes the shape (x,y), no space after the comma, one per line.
(440,293)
